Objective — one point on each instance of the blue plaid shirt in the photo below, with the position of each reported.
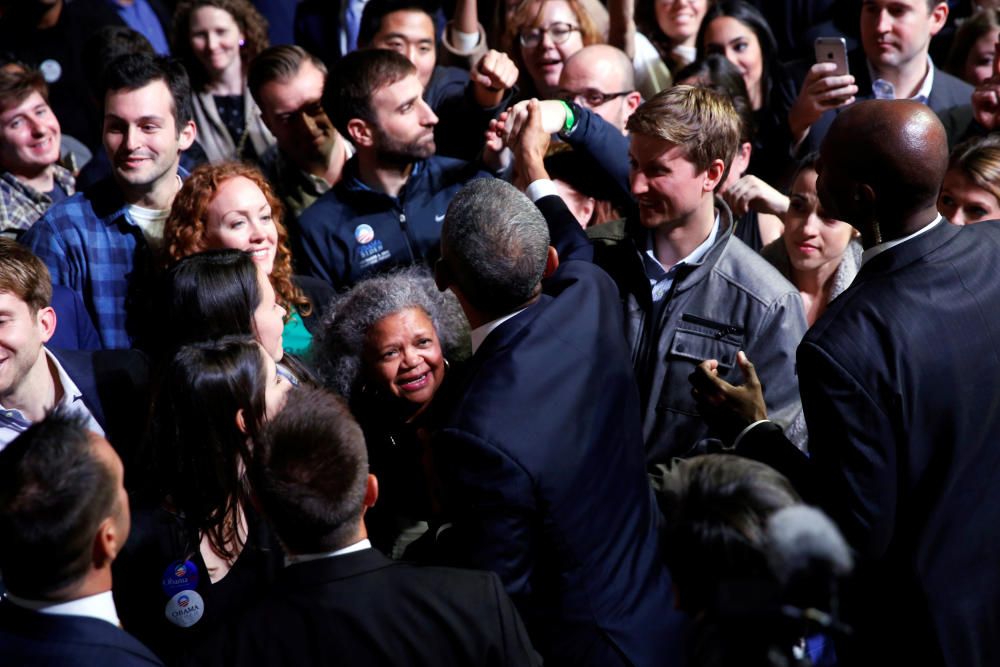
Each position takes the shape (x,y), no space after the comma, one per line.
(91,245)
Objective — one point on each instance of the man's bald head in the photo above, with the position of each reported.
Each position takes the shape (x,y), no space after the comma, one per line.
(883,160)
(601,69)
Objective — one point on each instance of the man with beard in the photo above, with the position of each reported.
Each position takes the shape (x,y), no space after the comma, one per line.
(387,209)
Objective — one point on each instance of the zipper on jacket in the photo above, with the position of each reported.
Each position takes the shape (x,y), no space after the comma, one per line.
(406,235)
(721,330)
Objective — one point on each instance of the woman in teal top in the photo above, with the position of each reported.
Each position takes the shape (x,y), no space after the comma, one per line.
(231,205)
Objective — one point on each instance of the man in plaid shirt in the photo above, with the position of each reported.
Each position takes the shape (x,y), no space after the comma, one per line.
(30,140)
(101,242)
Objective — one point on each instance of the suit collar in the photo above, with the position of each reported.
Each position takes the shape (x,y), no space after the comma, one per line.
(79,366)
(352,564)
(70,630)
(908,252)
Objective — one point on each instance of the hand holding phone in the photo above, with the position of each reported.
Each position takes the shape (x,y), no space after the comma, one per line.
(833,50)
(828,85)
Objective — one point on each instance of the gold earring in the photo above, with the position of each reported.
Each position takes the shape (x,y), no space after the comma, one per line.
(877,231)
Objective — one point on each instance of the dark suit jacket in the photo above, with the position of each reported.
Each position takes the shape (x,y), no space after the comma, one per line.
(42,640)
(365,609)
(543,468)
(946,92)
(115,387)
(898,382)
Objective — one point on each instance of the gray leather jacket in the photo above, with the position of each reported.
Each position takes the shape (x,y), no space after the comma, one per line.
(731,300)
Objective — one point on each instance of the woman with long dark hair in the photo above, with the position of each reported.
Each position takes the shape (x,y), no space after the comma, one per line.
(197,552)
(738,31)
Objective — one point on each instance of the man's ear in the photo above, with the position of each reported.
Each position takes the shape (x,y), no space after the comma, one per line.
(551,263)
(107,542)
(371,491)
(713,175)
(442,275)
(939,16)
(361,133)
(47,320)
(632,101)
(187,135)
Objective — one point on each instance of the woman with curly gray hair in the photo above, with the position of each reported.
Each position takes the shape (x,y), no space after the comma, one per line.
(385,347)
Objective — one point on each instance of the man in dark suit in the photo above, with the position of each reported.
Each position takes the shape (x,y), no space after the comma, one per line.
(64,516)
(338,601)
(108,387)
(541,458)
(897,382)
(893,63)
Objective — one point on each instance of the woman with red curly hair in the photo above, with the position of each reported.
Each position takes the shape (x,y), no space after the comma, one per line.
(216,40)
(231,205)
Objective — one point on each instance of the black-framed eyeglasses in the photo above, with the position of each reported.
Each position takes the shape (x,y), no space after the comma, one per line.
(590,97)
(559,32)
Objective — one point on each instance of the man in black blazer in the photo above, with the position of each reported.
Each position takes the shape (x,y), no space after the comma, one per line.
(893,63)
(541,457)
(898,386)
(338,601)
(64,516)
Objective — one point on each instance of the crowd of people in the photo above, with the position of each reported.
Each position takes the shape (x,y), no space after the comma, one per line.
(566,332)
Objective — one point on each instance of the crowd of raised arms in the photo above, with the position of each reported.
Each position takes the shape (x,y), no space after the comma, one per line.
(584,333)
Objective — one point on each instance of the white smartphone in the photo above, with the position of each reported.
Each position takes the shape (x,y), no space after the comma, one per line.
(832,50)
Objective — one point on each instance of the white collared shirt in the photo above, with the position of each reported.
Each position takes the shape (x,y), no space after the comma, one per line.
(305,558)
(661,278)
(883,90)
(13,422)
(479,334)
(876,250)
(100,606)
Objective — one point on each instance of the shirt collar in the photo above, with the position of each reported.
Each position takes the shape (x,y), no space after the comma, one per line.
(479,334)
(883,90)
(694,257)
(876,250)
(305,558)
(100,606)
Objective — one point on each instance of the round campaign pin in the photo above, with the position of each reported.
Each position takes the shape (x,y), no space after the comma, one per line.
(185,609)
(180,576)
(364,234)
(51,70)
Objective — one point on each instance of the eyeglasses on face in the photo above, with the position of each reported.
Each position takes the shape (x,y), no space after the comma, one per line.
(559,32)
(590,98)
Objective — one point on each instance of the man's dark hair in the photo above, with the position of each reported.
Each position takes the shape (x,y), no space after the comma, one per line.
(494,245)
(137,70)
(355,79)
(309,472)
(716,508)
(54,493)
(376,10)
(107,45)
(279,63)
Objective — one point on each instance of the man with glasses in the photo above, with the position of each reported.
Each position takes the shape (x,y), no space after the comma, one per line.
(601,78)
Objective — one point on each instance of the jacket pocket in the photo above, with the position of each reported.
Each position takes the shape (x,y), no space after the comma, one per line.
(697,346)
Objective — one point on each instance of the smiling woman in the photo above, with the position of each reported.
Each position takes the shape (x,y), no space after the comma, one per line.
(216,40)
(231,205)
(384,348)
(541,35)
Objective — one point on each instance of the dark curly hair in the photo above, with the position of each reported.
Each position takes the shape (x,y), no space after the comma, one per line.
(250,21)
(184,232)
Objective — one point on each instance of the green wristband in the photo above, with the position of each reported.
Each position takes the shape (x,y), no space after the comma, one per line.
(570,116)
